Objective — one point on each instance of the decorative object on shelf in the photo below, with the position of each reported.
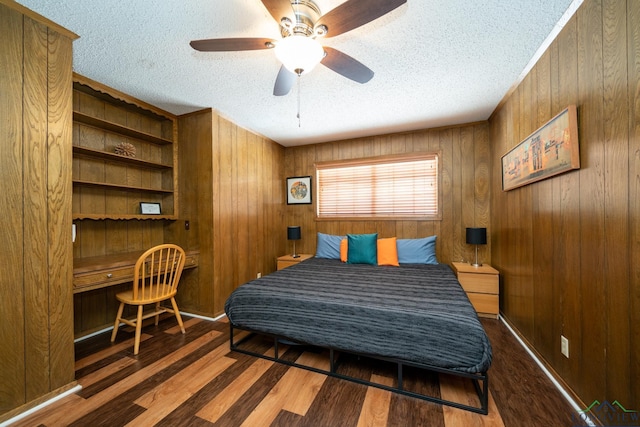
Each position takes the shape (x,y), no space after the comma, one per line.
(147,208)
(476,236)
(549,151)
(125,149)
(293,233)
(299,190)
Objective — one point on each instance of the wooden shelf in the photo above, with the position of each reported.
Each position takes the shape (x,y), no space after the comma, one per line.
(119,129)
(112,157)
(120,187)
(114,97)
(79,216)
(101,191)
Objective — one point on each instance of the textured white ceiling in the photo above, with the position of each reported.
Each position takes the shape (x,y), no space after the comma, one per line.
(436,62)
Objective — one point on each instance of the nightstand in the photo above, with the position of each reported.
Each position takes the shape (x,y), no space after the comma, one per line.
(287,260)
(481,285)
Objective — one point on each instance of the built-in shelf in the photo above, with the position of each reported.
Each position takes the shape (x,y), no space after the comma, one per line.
(103,118)
(112,157)
(114,97)
(120,187)
(117,128)
(79,216)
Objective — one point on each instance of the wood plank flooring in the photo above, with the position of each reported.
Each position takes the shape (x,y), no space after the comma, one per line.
(194,380)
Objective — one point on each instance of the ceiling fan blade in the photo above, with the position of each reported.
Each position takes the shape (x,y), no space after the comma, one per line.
(355,13)
(345,65)
(279,9)
(284,82)
(226,45)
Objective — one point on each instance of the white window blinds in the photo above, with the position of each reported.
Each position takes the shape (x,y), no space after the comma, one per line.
(394,187)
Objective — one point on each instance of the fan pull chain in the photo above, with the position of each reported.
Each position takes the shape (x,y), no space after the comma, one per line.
(298,100)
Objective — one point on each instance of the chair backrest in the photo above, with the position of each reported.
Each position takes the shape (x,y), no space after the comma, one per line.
(157,273)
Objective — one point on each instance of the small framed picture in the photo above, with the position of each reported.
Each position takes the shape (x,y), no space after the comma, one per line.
(299,190)
(147,208)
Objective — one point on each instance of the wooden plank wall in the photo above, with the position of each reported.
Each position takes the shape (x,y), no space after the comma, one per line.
(568,247)
(232,195)
(13,386)
(35,155)
(465,169)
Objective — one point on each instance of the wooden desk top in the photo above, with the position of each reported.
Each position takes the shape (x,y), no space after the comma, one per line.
(107,270)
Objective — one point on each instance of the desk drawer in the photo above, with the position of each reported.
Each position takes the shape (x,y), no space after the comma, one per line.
(191,260)
(95,279)
(111,277)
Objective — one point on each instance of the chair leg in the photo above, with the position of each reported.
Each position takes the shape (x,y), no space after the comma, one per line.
(136,346)
(117,324)
(177,313)
(158,312)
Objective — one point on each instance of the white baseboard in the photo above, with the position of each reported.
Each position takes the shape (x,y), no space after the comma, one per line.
(40,406)
(110,328)
(564,393)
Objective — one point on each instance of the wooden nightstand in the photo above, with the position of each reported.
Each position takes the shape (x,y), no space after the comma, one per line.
(287,260)
(481,285)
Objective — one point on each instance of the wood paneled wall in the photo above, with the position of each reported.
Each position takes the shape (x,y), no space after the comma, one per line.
(568,247)
(232,194)
(464,187)
(36,355)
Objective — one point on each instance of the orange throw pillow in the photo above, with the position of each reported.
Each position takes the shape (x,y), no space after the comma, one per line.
(344,250)
(387,252)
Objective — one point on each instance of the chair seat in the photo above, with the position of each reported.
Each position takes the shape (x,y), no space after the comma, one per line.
(162,294)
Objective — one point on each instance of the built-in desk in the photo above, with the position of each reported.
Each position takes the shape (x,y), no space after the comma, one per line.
(107,270)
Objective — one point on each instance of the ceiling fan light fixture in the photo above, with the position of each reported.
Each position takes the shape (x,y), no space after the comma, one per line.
(299,54)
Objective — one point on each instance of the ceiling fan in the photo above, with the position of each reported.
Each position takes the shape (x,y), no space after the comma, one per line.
(301,24)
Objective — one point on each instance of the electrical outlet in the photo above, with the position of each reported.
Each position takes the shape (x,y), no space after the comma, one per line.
(564,346)
(259,275)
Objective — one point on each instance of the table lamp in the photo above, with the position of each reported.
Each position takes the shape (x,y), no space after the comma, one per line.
(476,236)
(293,233)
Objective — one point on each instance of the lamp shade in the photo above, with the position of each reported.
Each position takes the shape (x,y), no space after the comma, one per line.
(299,54)
(293,232)
(477,236)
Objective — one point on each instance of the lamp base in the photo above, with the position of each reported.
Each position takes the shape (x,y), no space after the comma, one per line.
(295,256)
(476,264)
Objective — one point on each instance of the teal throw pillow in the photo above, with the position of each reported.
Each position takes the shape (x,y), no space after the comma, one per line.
(362,249)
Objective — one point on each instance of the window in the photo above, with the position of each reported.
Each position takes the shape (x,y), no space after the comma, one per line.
(384,187)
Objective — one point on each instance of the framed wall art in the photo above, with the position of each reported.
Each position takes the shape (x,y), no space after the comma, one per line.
(550,150)
(299,190)
(147,208)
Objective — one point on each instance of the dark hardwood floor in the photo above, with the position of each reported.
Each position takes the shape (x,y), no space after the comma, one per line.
(194,380)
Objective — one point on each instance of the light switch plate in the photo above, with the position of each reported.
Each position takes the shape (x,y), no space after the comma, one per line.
(564,346)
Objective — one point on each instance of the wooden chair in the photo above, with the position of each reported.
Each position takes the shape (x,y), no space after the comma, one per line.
(155,279)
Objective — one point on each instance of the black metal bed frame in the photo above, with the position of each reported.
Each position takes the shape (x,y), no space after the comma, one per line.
(482,391)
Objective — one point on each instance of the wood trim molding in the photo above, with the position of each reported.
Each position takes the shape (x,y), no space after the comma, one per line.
(39,18)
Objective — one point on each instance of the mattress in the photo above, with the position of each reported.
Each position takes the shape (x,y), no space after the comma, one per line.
(415,313)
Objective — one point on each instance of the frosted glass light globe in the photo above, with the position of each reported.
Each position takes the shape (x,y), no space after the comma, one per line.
(299,54)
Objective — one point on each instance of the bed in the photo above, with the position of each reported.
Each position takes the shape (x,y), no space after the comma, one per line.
(413,315)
